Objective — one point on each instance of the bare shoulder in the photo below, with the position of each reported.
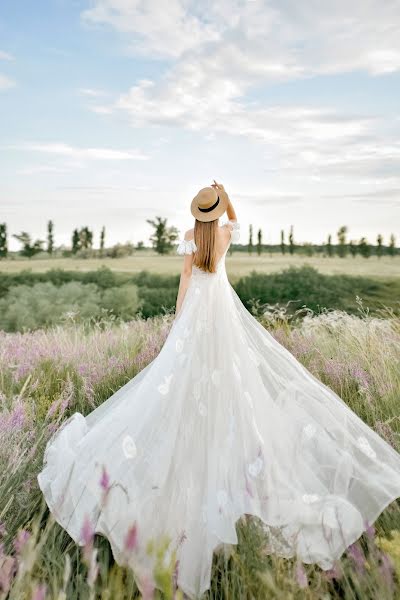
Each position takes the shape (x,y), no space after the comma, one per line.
(189,234)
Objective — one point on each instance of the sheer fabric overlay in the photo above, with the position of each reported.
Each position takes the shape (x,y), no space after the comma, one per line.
(225,421)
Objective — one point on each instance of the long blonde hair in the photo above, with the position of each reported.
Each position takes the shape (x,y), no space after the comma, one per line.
(205,237)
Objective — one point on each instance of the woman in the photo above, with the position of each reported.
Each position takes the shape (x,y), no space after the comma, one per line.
(224,422)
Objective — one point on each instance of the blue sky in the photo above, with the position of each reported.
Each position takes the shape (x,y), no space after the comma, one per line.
(114,111)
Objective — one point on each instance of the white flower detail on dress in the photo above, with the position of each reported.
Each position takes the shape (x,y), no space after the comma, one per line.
(186,247)
(197,290)
(309,430)
(129,447)
(216,377)
(196,390)
(310,498)
(222,498)
(202,409)
(163,388)
(365,447)
(255,467)
(234,228)
(179,345)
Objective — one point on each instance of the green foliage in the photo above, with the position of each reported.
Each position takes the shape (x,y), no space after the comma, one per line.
(305,286)
(163,237)
(44,304)
(29,248)
(3,240)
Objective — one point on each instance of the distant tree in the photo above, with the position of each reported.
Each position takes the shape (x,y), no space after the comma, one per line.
(86,237)
(50,237)
(140,245)
(342,247)
(283,245)
(379,245)
(353,248)
(163,236)
(259,242)
(29,248)
(250,246)
(291,240)
(329,249)
(76,244)
(392,245)
(364,247)
(308,248)
(102,239)
(3,240)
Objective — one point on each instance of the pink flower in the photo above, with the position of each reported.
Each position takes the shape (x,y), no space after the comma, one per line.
(301,576)
(87,532)
(21,540)
(40,592)
(131,538)
(105,480)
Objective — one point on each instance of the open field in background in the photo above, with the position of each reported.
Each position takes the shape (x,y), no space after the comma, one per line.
(238,265)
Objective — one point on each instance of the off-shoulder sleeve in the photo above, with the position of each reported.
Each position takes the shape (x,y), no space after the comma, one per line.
(186,247)
(234,228)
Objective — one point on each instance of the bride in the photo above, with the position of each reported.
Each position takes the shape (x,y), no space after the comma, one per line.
(224,422)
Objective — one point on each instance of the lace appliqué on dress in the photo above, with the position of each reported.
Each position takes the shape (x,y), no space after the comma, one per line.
(186,247)
(234,228)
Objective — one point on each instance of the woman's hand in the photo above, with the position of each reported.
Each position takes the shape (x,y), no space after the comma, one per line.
(218,186)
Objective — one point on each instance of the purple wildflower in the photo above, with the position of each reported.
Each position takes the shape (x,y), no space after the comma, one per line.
(87,532)
(40,592)
(21,540)
(357,555)
(131,538)
(105,480)
(386,569)
(301,576)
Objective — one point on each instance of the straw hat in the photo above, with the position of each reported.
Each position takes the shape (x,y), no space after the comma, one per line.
(208,204)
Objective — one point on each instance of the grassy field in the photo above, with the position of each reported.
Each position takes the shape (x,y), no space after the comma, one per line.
(238,264)
(47,375)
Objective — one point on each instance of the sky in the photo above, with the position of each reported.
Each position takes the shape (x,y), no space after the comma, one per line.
(116,111)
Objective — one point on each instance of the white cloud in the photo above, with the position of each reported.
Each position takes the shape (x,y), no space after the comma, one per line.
(6,82)
(5,56)
(74,152)
(92,93)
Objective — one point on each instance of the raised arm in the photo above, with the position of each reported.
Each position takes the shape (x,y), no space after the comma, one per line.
(186,273)
(230,211)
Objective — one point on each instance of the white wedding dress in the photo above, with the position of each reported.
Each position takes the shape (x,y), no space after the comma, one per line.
(225,421)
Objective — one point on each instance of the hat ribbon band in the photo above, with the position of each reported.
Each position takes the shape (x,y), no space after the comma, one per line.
(210,208)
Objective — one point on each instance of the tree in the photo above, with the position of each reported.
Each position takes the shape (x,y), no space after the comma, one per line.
(140,245)
(364,247)
(291,240)
(283,245)
(86,237)
(50,237)
(342,248)
(76,244)
(392,245)
(163,236)
(379,247)
(102,238)
(3,240)
(259,242)
(29,248)
(353,248)
(329,249)
(250,246)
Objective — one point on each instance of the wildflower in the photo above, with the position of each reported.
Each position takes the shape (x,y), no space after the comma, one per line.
(87,532)
(40,592)
(131,538)
(105,480)
(21,540)
(301,576)
(357,555)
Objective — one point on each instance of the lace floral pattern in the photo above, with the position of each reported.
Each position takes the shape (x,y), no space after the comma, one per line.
(186,247)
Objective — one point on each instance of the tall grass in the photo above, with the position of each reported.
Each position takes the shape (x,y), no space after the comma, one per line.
(46,375)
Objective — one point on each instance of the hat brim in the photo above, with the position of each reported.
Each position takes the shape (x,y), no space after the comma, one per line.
(217,212)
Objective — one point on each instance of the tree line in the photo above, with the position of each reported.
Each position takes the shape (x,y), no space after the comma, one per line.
(164,237)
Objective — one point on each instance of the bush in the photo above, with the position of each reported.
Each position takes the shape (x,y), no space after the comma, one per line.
(44,304)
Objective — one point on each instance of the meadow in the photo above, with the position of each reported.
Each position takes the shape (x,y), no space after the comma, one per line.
(238,264)
(47,374)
